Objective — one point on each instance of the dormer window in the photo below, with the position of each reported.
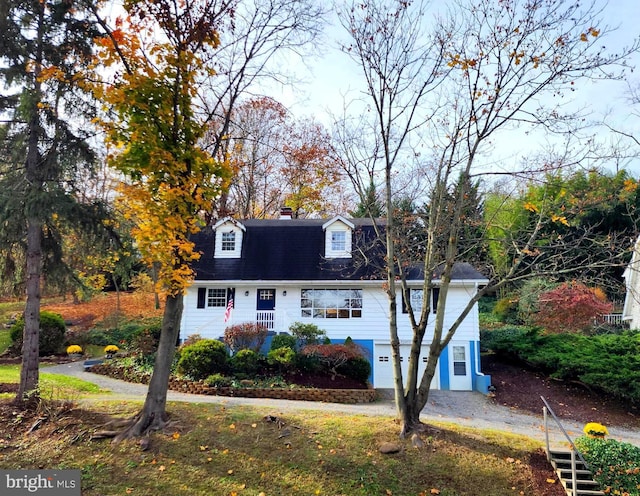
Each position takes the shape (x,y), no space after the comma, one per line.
(338,234)
(228,241)
(338,241)
(229,233)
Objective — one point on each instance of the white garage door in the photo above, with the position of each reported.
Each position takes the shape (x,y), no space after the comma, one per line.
(383,366)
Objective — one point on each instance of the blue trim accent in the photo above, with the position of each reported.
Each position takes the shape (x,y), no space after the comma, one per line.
(480,383)
(443,362)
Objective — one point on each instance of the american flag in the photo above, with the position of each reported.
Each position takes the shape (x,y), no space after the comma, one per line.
(227,312)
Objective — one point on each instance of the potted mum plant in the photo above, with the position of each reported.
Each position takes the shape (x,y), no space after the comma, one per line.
(595,430)
(110,350)
(74,351)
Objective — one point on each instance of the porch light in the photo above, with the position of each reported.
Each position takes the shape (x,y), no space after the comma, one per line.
(246,293)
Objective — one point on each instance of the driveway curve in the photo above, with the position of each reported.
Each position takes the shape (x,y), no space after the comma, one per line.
(459,407)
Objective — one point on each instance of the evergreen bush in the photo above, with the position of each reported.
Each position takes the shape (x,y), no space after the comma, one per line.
(245,363)
(282,358)
(357,368)
(51,337)
(606,363)
(203,358)
(283,341)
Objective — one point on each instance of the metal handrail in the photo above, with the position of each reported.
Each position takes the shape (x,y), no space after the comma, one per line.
(574,449)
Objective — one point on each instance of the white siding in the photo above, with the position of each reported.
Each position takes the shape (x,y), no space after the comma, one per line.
(373,325)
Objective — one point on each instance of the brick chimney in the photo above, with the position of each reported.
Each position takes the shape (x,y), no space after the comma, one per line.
(286,213)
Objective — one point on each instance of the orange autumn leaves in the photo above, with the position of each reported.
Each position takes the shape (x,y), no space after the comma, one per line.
(154,134)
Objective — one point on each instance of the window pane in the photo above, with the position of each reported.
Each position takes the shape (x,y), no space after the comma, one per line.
(416,299)
(217,297)
(331,303)
(338,241)
(459,368)
(459,354)
(228,241)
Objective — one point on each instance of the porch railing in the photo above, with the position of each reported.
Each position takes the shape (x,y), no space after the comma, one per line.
(267,318)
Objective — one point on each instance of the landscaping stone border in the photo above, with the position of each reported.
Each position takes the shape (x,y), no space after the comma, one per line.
(194,387)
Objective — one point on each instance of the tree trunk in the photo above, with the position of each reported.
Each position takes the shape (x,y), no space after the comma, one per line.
(154,412)
(29,373)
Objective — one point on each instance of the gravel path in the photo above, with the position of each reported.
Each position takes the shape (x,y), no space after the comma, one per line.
(459,407)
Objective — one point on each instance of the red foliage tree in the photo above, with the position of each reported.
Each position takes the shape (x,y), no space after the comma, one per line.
(332,355)
(245,336)
(571,307)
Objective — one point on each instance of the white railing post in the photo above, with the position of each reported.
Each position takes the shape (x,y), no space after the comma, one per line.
(546,432)
(574,476)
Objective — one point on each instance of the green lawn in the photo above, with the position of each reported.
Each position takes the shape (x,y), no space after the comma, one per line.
(211,449)
(5,340)
(54,386)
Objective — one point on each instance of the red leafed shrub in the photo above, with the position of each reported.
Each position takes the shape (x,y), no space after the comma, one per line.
(571,307)
(332,356)
(245,336)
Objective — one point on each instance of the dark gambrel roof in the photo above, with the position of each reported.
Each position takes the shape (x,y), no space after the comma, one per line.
(293,250)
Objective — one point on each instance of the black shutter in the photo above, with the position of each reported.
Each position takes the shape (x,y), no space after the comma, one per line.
(231,296)
(435,296)
(202,297)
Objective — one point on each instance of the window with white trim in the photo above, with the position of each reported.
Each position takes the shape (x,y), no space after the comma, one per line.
(338,241)
(216,297)
(228,241)
(459,360)
(416,300)
(331,303)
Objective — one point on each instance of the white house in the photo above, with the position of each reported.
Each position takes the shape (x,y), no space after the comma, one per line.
(280,271)
(631,310)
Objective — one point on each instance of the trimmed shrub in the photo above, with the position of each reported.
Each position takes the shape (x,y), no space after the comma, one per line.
(307,364)
(282,357)
(51,337)
(245,362)
(283,341)
(203,358)
(245,336)
(357,368)
(218,380)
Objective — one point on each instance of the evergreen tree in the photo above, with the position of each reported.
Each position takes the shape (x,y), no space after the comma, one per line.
(43,48)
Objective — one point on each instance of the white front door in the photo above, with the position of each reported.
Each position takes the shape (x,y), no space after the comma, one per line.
(459,367)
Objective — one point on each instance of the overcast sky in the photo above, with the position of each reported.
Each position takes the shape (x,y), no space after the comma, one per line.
(333,77)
